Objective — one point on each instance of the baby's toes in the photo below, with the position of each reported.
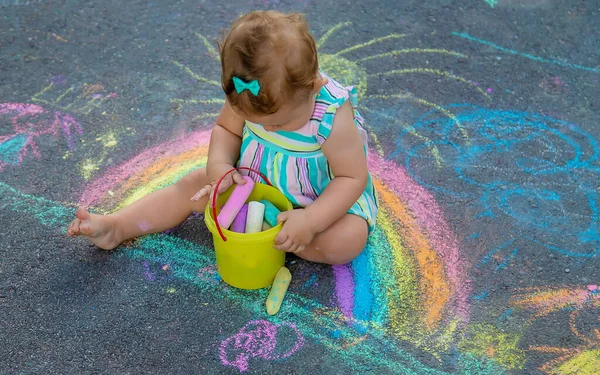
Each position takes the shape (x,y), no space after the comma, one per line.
(73,228)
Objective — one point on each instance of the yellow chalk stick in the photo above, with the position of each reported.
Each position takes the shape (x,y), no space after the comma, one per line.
(278,289)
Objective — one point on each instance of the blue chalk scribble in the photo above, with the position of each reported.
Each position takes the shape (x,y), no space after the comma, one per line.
(540,172)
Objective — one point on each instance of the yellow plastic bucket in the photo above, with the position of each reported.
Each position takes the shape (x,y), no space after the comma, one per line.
(248,261)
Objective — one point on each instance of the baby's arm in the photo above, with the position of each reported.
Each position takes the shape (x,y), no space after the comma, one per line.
(223,150)
(346,156)
(226,139)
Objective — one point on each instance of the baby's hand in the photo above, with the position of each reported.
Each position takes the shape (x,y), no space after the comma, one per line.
(220,170)
(297,232)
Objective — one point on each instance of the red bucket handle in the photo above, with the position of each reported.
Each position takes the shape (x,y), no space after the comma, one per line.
(215,193)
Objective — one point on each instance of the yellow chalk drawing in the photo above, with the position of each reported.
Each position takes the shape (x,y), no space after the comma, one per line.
(583,359)
(372,41)
(354,71)
(345,71)
(196,76)
(89,167)
(46,33)
(330,32)
(205,116)
(413,50)
(162,173)
(574,360)
(436,72)
(212,51)
(108,140)
(213,103)
(102,147)
(485,340)
(416,309)
(76,99)
(586,363)
(196,101)
(412,98)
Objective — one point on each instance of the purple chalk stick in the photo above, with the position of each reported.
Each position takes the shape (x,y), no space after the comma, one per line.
(239,223)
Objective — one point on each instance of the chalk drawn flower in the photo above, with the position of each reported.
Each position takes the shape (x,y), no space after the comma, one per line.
(80,99)
(257,339)
(26,123)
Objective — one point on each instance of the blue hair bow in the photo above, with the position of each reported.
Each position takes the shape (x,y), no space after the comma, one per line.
(251,86)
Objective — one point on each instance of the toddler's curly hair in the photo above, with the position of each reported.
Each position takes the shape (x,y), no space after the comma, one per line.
(277,50)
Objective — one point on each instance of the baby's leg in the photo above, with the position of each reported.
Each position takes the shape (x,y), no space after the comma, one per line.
(340,243)
(156,212)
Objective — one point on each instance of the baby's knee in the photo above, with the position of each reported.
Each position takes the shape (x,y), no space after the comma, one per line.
(349,243)
(344,254)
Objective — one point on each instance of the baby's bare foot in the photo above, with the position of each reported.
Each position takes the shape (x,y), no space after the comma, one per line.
(99,229)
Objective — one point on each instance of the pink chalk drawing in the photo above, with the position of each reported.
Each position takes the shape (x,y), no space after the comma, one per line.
(257,339)
(30,121)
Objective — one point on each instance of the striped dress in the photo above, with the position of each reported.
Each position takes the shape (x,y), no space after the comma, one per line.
(294,161)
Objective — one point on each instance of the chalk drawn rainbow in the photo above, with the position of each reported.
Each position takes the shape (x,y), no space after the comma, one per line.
(409,283)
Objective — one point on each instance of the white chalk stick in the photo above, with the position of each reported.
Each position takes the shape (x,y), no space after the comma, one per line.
(256,213)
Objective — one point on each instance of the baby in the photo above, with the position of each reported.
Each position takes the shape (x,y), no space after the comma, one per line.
(285,118)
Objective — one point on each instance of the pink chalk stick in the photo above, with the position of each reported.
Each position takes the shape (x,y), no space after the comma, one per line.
(235,202)
(239,223)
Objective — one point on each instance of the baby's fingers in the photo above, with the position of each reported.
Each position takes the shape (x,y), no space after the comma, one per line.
(300,249)
(281,237)
(203,192)
(238,178)
(225,184)
(287,246)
